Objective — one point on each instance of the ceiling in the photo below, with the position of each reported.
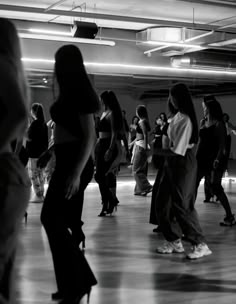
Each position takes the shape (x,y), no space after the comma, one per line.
(208,25)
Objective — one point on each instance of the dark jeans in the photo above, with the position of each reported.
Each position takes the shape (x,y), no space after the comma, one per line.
(14,197)
(176,197)
(215,178)
(72,271)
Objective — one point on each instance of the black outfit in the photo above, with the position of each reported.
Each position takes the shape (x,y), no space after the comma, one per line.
(211,147)
(106,181)
(38,138)
(158,162)
(61,217)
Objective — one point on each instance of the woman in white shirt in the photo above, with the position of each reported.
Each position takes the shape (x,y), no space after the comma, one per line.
(176,196)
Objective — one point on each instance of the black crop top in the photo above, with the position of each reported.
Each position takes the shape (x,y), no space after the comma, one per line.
(104,125)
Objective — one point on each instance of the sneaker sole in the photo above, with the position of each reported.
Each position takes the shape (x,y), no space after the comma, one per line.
(174,251)
(195,258)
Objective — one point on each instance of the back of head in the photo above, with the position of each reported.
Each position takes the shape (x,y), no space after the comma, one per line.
(184,104)
(37,110)
(74,84)
(10,48)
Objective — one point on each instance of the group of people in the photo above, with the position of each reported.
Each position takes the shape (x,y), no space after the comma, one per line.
(74,136)
(188,155)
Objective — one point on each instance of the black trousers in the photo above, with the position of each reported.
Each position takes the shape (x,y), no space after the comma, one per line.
(105,181)
(215,178)
(72,271)
(176,198)
(154,200)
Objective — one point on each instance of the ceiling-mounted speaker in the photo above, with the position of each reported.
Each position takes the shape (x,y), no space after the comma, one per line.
(82,29)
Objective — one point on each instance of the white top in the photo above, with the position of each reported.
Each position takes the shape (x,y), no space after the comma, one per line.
(179,133)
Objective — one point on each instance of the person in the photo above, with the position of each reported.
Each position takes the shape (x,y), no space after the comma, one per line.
(140,154)
(211,154)
(132,135)
(37,144)
(160,135)
(176,194)
(14,181)
(159,130)
(74,138)
(108,151)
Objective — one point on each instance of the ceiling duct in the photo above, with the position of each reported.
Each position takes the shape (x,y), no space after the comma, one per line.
(172,41)
(206,60)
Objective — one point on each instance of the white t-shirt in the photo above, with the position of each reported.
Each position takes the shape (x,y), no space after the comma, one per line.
(179,133)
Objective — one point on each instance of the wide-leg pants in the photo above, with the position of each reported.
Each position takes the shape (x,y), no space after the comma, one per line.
(176,198)
(72,271)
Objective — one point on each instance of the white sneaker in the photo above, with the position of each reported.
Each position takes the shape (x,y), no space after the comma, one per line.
(171,247)
(199,251)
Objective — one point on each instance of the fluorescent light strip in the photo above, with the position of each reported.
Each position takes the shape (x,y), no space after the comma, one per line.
(47,32)
(67,39)
(223,43)
(142,67)
(179,44)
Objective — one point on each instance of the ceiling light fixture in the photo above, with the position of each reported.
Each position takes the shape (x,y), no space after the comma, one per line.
(67,39)
(50,32)
(145,67)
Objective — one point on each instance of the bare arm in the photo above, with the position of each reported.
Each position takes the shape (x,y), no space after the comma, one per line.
(13,106)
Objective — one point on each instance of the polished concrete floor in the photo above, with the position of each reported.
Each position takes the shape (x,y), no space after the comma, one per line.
(121,252)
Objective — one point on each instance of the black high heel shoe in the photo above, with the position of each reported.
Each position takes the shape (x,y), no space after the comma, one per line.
(77,299)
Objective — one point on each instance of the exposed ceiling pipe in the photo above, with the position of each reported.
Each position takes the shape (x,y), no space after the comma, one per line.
(55,5)
(34,10)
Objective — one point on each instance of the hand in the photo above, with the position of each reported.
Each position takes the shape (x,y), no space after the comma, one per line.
(108,155)
(215,164)
(72,186)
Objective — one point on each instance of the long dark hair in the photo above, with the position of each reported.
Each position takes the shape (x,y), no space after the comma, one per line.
(74,84)
(214,109)
(184,104)
(10,48)
(111,102)
(38,111)
(143,114)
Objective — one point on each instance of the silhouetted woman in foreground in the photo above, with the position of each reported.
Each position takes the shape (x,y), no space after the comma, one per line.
(14,181)
(74,138)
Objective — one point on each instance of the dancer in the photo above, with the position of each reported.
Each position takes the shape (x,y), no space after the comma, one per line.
(74,138)
(14,181)
(160,135)
(108,151)
(176,195)
(36,145)
(212,155)
(140,154)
